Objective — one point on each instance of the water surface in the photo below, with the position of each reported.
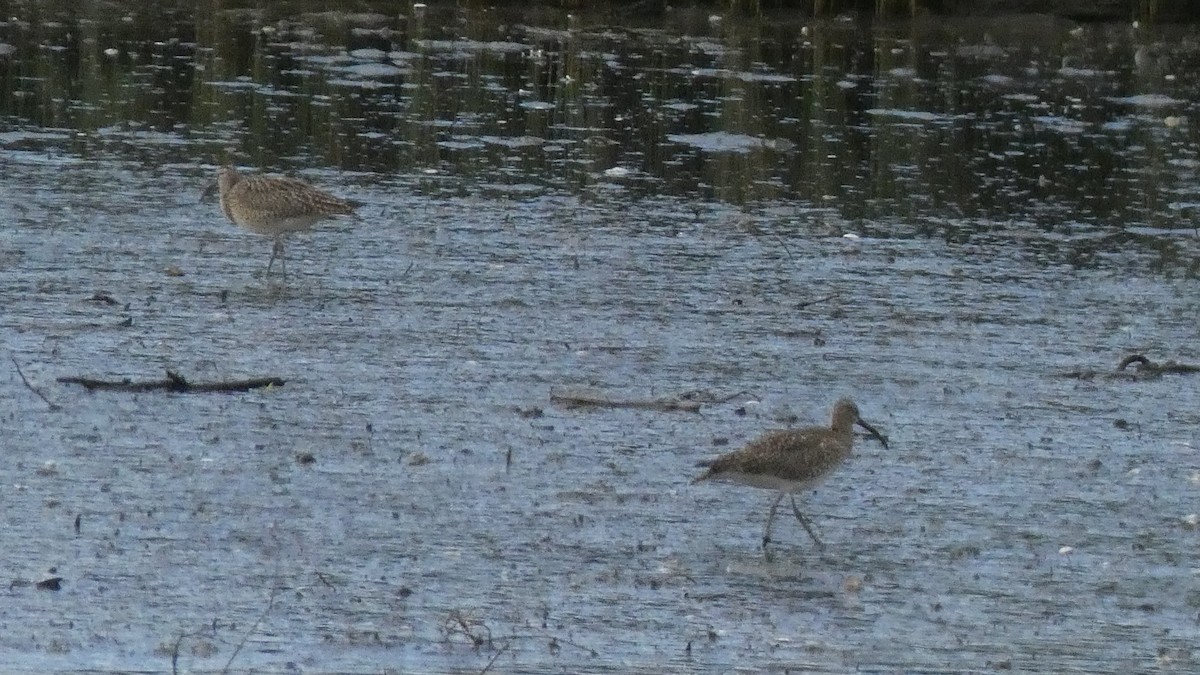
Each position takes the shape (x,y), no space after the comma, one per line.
(556,204)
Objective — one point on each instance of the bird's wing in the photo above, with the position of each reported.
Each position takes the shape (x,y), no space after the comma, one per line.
(765,454)
(286,196)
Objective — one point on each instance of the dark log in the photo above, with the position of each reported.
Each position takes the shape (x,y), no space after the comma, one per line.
(1143,369)
(174,382)
(1145,365)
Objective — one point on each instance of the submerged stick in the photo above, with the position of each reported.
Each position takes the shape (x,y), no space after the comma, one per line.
(690,401)
(174,382)
(810,303)
(597,401)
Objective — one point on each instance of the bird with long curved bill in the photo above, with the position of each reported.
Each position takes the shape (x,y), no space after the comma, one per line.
(791,460)
(275,206)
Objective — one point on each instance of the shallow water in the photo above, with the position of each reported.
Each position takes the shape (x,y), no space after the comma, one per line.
(559,205)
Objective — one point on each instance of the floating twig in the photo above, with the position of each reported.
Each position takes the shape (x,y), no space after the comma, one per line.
(179,645)
(52,406)
(503,648)
(598,401)
(688,401)
(810,303)
(174,382)
(782,245)
(253,627)
(480,634)
(475,630)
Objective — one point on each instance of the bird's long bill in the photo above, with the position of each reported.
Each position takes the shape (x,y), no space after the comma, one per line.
(876,434)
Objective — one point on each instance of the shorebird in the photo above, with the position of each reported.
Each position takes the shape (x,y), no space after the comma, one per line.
(791,460)
(275,206)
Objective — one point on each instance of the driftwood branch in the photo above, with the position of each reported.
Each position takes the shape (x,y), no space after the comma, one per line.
(174,382)
(1146,365)
(1143,369)
(690,401)
(597,401)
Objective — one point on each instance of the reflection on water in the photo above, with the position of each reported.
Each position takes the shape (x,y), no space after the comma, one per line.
(925,125)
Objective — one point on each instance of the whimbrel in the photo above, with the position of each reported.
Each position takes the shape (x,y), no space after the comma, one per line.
(275,206)
(791,460)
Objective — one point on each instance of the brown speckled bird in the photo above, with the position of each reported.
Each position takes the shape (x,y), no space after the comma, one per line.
(791,460)
(275,206)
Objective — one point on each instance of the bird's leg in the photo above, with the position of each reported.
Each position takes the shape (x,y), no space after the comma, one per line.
(282,255)
(804,521)
(274,252)
(771,516)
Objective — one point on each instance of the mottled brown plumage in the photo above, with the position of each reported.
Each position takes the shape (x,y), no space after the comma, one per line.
(791,460)
(275,206)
